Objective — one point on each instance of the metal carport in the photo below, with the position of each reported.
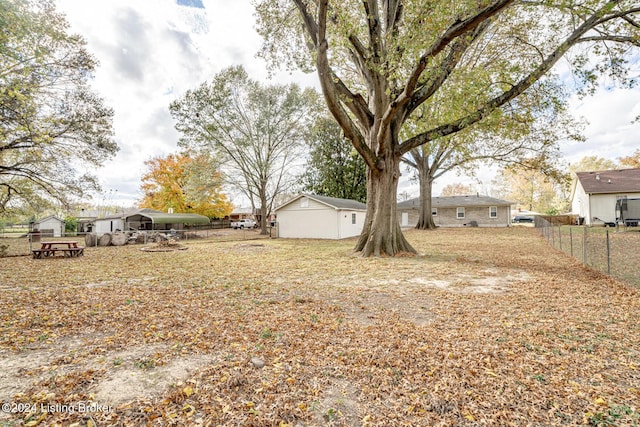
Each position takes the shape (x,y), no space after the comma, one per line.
(150,219)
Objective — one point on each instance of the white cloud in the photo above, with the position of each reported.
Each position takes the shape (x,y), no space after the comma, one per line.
(150,53)
(611,132)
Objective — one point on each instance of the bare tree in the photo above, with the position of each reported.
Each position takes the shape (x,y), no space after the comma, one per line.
(258,129)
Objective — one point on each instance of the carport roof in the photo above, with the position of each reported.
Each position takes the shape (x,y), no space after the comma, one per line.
(159,217)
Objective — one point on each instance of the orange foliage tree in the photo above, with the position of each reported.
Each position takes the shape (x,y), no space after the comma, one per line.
(186,184)
(632,161)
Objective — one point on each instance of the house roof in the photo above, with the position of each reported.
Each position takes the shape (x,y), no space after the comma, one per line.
(159,217)
(48,217)
(242,211)
(332,202)
(108,218)
(455,201)
(610,181)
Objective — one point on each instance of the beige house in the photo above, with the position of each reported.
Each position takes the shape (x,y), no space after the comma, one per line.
(320,217)
(459,211)
(594,195)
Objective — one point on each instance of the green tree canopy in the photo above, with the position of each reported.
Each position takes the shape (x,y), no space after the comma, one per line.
(50,121)
(526,133)
(334,168)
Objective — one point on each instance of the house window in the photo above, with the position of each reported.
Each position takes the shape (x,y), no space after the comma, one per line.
(493,212)
(353,218)
(460,213)
(434,211)
(304,202)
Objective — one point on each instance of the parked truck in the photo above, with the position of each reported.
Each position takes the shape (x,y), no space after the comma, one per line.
(628,212)
(244,223)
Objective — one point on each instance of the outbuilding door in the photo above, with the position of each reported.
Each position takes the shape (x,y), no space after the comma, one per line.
(405,219)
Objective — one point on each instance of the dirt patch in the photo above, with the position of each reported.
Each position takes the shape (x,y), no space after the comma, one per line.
(338,406)
(135,375)
(138,372)
(488,281)
(250,247)
(168,246)
(411,299)
(21,370)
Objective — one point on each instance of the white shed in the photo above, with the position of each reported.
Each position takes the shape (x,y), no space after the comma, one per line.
(594,195)
(51,226)
(320,217)
(108,224)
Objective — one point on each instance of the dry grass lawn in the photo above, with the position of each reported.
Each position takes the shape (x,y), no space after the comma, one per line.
(485,327)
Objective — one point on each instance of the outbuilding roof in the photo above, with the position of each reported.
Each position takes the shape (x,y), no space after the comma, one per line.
(610,181)
(41,220)
(333,202)
(455,201)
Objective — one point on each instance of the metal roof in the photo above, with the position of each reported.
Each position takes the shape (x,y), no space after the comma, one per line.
(158,217)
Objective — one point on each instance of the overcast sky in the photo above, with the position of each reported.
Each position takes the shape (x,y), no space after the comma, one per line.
(152,51)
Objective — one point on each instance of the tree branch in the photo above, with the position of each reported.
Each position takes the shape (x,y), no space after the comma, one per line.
(309,23)
(392,10)
(616,39)
(455,30)
(331,90)
(507,96)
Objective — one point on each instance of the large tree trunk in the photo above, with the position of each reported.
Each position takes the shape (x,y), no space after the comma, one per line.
(381,234)
(425,218)
(263,212)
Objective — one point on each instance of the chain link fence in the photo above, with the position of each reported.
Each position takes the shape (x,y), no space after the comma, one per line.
(611,250)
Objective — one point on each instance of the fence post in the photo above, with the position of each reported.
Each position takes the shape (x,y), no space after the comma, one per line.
(584,246)
(571,239)
(560,237)
(608,255)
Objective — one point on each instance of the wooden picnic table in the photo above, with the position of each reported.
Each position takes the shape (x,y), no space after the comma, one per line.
(69,249)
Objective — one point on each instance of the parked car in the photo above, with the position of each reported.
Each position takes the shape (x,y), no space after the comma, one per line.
(522,218)
(244,223)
